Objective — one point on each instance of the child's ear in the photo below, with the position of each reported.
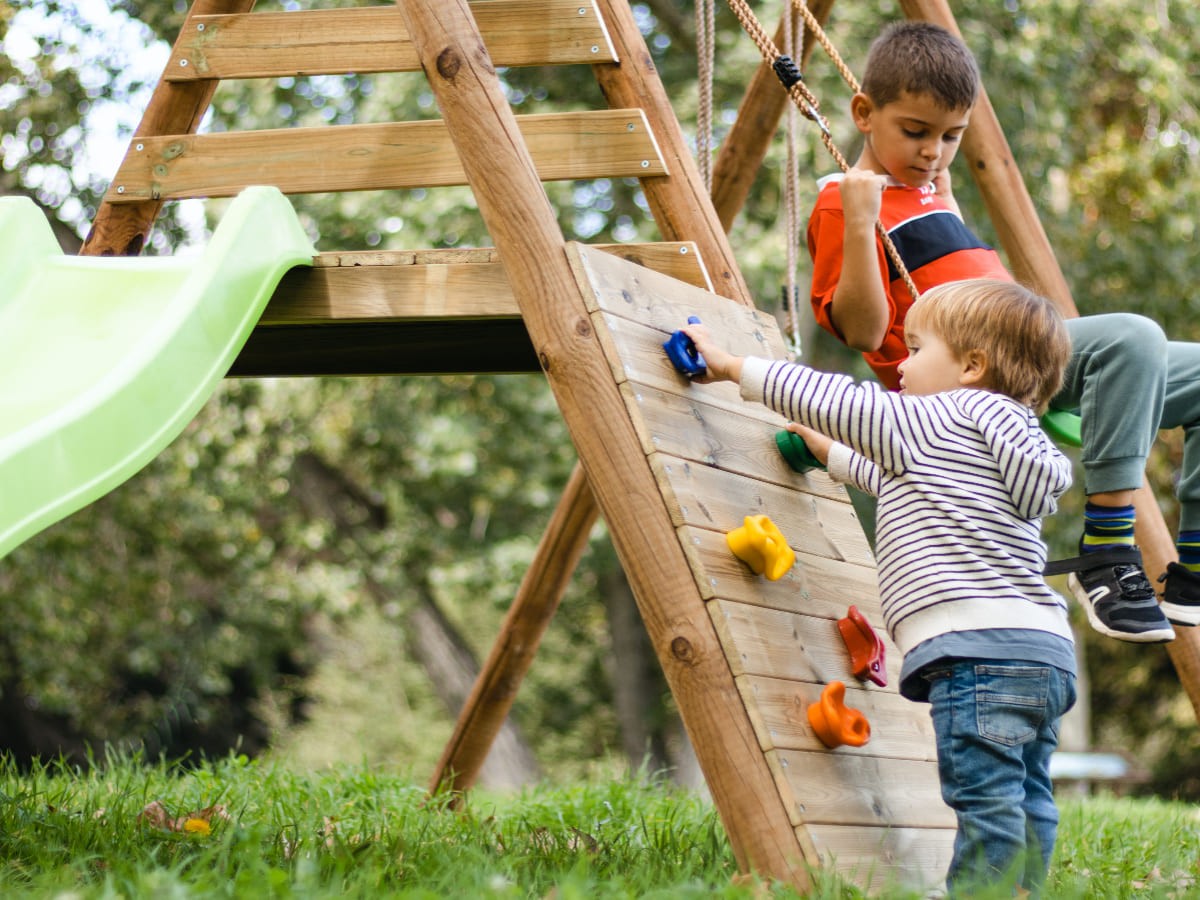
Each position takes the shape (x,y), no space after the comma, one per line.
(861,108)
(974,369)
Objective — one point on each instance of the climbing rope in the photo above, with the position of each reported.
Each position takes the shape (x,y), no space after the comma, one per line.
(791,202)
(705,52)
(793,82)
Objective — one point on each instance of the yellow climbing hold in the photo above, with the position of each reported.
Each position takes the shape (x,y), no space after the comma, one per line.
(759,544)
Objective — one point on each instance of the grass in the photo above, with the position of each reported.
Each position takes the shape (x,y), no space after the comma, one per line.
(236,828)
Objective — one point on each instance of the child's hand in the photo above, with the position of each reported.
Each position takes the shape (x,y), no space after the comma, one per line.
(862,196)
(817,443)
(942,188)
(722,365)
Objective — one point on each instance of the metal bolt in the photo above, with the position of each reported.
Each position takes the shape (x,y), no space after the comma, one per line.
(121,189)
(139,147)
(645,163)
(183,63)
(200,26)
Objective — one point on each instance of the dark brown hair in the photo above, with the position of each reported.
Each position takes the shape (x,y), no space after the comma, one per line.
(923,59)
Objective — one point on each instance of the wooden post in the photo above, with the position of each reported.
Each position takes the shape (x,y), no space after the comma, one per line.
(526,234)
(121,229)
(1033,262)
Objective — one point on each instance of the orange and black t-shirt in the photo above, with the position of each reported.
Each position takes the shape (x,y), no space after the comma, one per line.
(933,241)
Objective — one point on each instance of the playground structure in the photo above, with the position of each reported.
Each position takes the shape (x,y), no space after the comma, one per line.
(673,471)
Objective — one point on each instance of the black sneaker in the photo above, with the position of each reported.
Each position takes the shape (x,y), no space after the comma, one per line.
(1116,595)
(1181,594)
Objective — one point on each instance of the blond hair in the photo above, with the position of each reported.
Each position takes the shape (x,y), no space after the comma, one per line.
(1022,337)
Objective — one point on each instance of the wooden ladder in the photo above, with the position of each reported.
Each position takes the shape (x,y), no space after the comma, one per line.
(669,468)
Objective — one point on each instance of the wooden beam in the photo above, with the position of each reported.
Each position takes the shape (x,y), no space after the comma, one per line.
(383,156)
(432,285)
(741,155)
(173,109)
(550,295)
(1032,259)
(371,39)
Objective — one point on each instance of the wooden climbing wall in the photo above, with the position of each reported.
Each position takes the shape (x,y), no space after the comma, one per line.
(873,813)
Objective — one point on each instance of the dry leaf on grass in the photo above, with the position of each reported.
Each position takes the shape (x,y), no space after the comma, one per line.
(199,822)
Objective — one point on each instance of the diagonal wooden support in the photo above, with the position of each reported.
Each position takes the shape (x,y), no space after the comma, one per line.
(526,233)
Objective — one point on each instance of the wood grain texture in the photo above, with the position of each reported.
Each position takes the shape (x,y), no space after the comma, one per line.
(382,156)
(375,39)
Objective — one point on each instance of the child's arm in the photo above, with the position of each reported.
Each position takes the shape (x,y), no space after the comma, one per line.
(860,309)
(842,463)
(832,404)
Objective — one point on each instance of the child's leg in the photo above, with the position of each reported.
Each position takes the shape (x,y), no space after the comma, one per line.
(1181,409)
(986,715)
(1041,813)
(1116,377)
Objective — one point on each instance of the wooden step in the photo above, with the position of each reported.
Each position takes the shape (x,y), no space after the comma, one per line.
(609,143)
(374,39)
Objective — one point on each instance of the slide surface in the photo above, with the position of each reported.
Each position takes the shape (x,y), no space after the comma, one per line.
(104,360)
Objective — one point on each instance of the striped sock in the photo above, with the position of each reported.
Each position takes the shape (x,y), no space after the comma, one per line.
(1108,526)
(1188,545)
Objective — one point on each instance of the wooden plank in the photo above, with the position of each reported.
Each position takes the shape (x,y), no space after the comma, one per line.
(375,39)
(384,156)
(883,859)
(816,585)
(899,728)
(795,646)
(864,791)
(431,284)
(708,497)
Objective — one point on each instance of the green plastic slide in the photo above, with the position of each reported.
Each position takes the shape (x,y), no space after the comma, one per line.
(104,360)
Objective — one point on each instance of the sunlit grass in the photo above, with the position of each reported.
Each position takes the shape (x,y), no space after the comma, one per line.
(236,828)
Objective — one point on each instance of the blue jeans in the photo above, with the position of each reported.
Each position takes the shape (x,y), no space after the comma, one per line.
(996,724)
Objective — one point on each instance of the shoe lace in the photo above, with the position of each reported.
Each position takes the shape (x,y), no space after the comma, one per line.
(1134,583)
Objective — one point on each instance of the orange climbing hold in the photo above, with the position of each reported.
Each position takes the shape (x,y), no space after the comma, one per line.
(760,544)
(834,722)
(865,647)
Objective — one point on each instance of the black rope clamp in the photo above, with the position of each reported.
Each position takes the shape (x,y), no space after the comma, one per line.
(787,71)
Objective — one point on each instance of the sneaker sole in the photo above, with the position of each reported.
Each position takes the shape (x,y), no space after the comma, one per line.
(1181,615)
(1154,636)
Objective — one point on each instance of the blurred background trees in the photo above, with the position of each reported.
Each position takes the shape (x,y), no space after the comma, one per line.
(293,575)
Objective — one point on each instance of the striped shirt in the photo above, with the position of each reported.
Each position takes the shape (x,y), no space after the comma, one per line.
(963,480)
